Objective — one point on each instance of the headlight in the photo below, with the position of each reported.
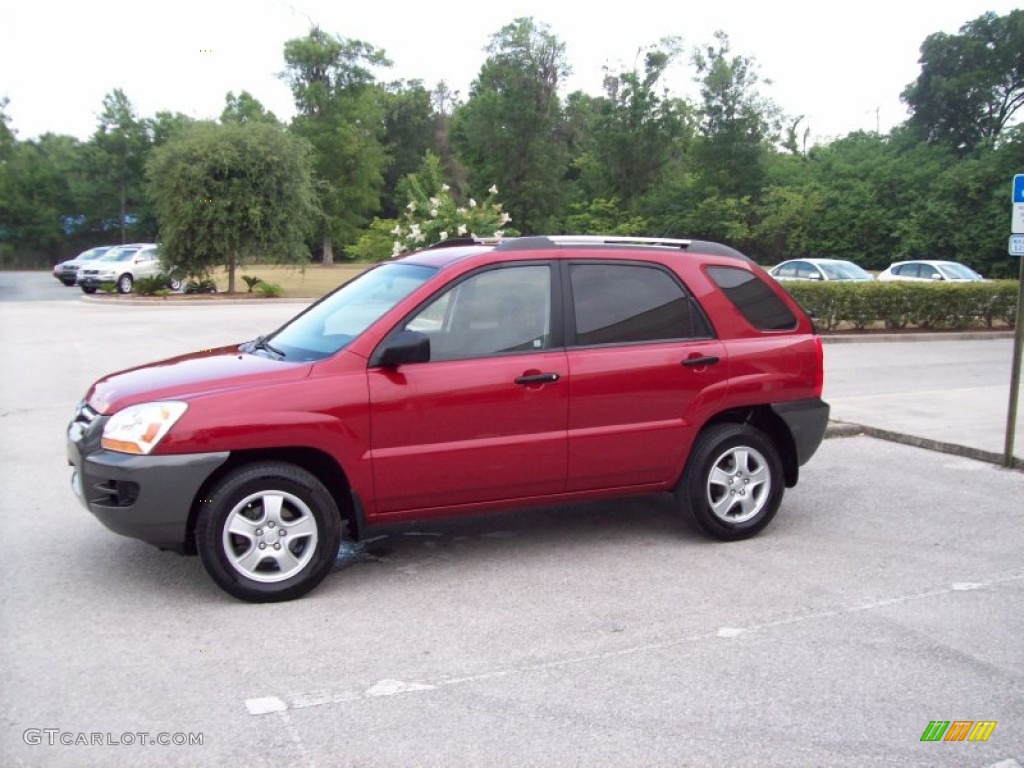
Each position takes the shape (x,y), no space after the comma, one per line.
(138,428)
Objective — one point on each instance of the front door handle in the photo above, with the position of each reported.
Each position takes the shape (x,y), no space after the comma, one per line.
(696,361)
(537,378)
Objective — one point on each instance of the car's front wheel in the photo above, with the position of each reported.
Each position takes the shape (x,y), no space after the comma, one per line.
(88,289)
(733,482)
(268,532)
(124,284)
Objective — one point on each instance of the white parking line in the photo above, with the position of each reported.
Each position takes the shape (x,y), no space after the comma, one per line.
(391,687)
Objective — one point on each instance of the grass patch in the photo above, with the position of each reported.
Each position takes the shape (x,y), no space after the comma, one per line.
(312,282)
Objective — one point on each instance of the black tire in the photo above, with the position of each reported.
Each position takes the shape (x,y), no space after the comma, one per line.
(124,283)
(285,566)
(733,481)
(174,284)
(88,289)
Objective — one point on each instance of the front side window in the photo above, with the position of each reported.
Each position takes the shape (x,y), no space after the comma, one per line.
(336,320)
(844,270)
(500,311)
(755,300)
(807,271)
(621,303)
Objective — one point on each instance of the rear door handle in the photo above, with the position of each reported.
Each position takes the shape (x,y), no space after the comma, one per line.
(537,378)
(695,361)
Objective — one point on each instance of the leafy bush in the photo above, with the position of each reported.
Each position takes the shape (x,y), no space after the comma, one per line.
(200,286)
(898,305)
(270,290)
(152,286)
(251,281)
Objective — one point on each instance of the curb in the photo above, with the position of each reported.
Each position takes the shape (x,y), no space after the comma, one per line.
(869,338)
(159,301)
(836,429)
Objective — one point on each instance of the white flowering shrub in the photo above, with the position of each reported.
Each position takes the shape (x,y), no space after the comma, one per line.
(433,214)
(433,218)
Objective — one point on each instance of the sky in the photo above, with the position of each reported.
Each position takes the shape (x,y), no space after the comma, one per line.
(842,65)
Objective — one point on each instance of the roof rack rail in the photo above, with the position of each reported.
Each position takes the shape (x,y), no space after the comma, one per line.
(673,242)
(453,242)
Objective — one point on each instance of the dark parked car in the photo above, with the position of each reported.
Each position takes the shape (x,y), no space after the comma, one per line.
(471,377)
(67,271)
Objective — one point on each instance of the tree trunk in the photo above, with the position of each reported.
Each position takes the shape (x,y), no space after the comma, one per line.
(231,272)
(124,238)
(328,251)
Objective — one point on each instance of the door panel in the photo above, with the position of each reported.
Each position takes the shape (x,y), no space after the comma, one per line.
(463,431)
(485,419)
(632,407)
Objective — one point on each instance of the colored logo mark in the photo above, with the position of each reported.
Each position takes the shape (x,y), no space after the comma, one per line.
(958,730)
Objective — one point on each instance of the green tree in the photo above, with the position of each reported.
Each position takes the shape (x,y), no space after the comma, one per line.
(246,108)
(341,115)
(7,139)
(637,131)
(737,125)
(971,84)
(116,164)
(509,131)
(228,194)
(409,133)
(164,125)
(37,207)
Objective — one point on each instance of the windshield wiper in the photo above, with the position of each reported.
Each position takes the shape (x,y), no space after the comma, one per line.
(262,343)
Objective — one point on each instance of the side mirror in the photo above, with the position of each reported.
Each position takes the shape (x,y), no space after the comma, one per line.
(815,276)
(936,277)
(403,348)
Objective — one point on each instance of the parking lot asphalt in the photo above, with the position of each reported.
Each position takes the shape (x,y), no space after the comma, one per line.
(888,593)
(949,394)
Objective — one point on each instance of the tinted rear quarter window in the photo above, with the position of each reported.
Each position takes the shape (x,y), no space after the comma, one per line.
(754,298)
(623,303)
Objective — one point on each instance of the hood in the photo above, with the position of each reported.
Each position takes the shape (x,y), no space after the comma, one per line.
(188,376)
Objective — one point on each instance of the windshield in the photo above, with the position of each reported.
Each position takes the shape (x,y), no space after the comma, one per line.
(958,272)
(843,270)
(118,254)
(330,324)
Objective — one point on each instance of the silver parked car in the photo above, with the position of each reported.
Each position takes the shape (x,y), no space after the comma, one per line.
(928,269)
(819,269)
(122,266)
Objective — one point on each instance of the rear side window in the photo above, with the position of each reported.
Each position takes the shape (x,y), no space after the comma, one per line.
(621,303)
(755,300)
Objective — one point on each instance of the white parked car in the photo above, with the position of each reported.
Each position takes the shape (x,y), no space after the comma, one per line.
(818,269)
(928,270)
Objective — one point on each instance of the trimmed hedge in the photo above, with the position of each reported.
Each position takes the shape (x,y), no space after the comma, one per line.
(895,305)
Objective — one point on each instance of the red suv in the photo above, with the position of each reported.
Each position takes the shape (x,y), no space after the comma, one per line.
(470,377)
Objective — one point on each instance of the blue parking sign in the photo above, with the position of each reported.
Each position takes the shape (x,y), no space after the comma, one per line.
(1018,188)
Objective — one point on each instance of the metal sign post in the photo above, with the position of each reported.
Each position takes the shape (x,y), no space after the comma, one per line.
(1016,248)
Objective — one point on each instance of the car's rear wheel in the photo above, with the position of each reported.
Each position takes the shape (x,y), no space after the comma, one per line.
(733,482)
(268,532)
(124,284)
(174,284)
